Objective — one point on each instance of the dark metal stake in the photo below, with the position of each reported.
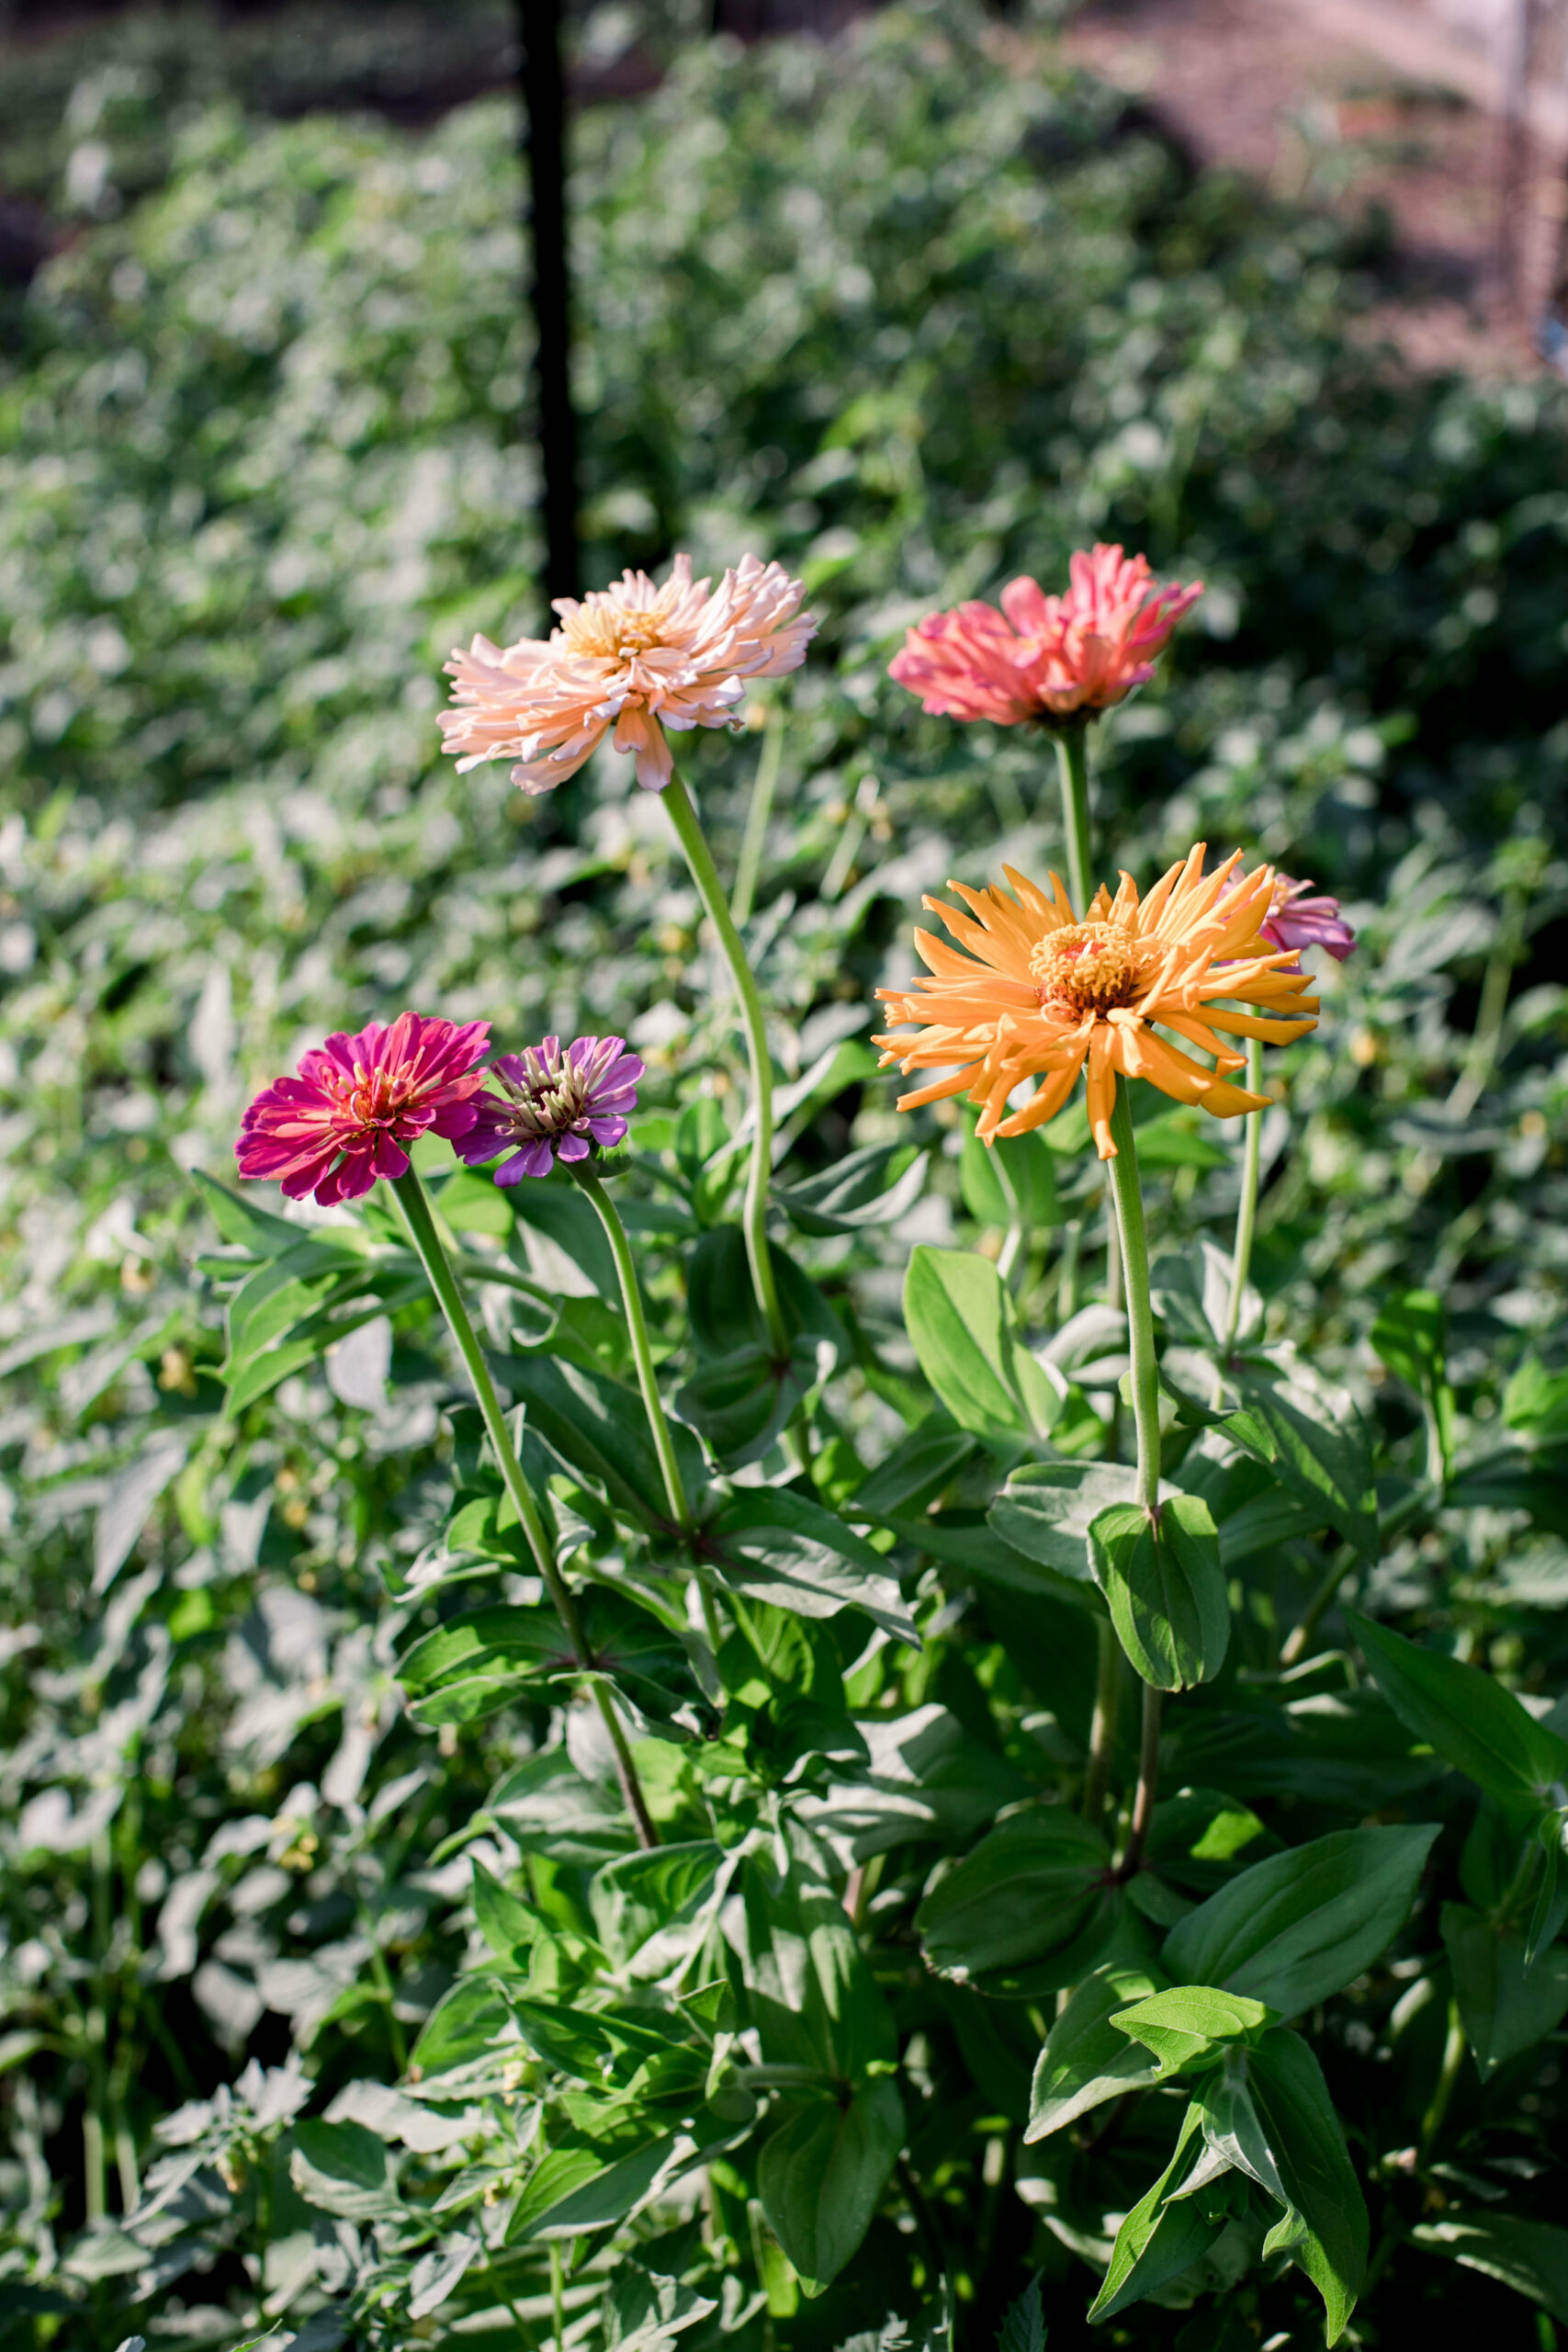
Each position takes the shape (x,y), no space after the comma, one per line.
(544,147)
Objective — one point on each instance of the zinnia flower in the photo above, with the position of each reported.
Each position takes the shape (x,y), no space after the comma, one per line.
(1061,655)
(553,1105)
(635,658)
(1041,995)
(1294,920)
(344,1121)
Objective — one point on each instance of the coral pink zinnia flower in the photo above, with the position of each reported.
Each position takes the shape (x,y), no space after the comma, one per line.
(344,1120)
(553,1105)
(1060,656)
(635,658)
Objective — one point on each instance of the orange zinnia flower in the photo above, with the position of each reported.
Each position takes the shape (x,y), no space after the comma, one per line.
(1041,994)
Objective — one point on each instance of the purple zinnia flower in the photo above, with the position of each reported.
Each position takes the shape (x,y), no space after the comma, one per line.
(553,1105)
(344,1121)
(1294,920)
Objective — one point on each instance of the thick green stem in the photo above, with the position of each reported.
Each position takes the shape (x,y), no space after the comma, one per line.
(1148,1782)
(642,1354)
(1072,763)
(704,874)
(1144,1380)
(413,1211)
(1453,2059)
(1103,1727)
(1247,1210)
(755,838)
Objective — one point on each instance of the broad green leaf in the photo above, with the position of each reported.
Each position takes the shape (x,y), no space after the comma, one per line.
(644,2308)
(1287,2089)
(1199,1837)
(1165,1588)
(1193,2024)
(1047,1509)
(583,2188)
(875,1186)
(507,1925)
(808,1989)
(721,1299)
(1530,2256)
(1535,1402)
(960,1321)
(345,2168)
(1085,2059)
(1466,1715)
(1506,2005)
(1164,2232)
(598,1428)
(917,1470)
(768,1544)
(821,2177)
(1028,1891)
(245,1222)
(1317,1444)
(486,1658)
(470,2017)
(1302,1925)
(1411,1337)
(740,1403)
(968,1541)
(1023,2324)
(635,1898)
(1014,1176)
(550,1808)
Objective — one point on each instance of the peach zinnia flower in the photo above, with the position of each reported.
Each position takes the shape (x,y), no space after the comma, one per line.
(1062,657)
(635,658)
(1041,995)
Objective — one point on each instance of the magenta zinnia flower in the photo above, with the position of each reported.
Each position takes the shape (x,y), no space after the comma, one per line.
(1052,657)
(344,1121)
(1295,920)
(635,658)
(553,1105)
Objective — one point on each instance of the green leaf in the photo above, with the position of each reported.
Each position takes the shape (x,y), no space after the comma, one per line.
(1505,2005)
(1023,2323)
(967,1541)
(1047,1509)
(1530,2256)
(1466,1715)
(740,1403)
(1086,2061)
(1165,2231)
(822,2175)
(1302,1925)
(721,1299)
(598,1428)
(345,2168)
(768,1543)
(1193,2023)
(243,1222)
(809,1989)
(960,1321)
(508,1925)
(1037,1886)
(1330,2241)
(637,1897)
(1535,1402)
(578,2189)
(1014,1176)
(1411,1337)
(1317,1444)
(917,1470)
(467,2019)
(1162,1578)
(548,1808)
(875,1186)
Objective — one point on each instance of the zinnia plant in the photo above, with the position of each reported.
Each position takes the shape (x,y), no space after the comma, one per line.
(640,660)
(347,1118)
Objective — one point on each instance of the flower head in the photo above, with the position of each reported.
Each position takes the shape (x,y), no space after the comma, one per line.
(1041,995)
(635,658)
(553,1105)
(1050,657)
(1295,920)
(357,1102)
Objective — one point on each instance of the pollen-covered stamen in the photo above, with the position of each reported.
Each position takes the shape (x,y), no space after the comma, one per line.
(1090,968)
(551,1098)
(606,629)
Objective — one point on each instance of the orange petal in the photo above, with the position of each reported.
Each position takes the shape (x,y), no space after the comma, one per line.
(1226,1102)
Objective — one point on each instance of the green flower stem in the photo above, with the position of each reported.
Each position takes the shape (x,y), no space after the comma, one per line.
(1102,1728)
(1299,1639)
(755,838)
(1129,1200)
(413,1209)
(1145,1385)
(1247,1210)
(704,874)
(642,1354)
(1072,763)
(1453,2059)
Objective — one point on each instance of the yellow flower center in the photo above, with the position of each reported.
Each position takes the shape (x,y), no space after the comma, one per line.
(606,629)
(1090,968)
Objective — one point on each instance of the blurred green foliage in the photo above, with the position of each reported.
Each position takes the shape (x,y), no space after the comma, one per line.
(913,313)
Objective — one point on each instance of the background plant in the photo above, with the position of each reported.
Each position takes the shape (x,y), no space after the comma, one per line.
(913,319)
